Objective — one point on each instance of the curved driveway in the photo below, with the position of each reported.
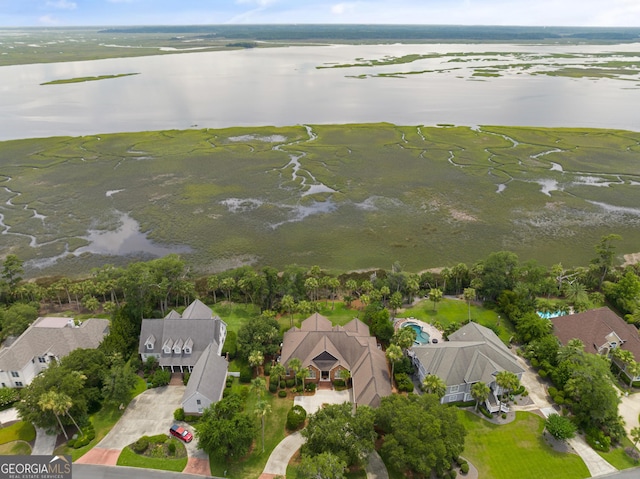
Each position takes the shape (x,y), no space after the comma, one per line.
(148,414)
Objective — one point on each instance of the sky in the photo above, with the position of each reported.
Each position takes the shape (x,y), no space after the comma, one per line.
(604,13)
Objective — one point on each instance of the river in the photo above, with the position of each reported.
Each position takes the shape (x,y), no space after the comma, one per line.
(283,86)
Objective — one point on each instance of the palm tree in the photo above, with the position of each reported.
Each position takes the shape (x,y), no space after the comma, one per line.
(213,283)
(435,295)
(404,337)
(507,381)
(303,374)
(257,386)
(345,375)
(394,354)
(624,358)
(49,402)
(576,293)
(295,365)
(432,384)
(480,392)
(261,410)
(256,358)
(277,371)
(65,404)
(288,304)
(469,295)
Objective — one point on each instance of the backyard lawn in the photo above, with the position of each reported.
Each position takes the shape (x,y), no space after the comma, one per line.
(516,449)
(450,311)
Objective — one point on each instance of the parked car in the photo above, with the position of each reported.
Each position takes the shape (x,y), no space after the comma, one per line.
(181,433)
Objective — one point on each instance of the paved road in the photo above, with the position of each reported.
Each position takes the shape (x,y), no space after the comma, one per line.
(90,471)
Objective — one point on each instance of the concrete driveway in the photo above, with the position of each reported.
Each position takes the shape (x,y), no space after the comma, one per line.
(322,396)
(629,409)
(148,414)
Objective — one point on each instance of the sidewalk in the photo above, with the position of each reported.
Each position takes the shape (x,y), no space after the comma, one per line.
(595,463)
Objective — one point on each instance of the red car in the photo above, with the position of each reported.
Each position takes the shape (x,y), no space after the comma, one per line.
(181,433)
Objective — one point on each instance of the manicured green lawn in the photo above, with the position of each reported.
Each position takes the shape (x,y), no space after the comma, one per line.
(517,450)
(19,431)
(15,448)
(618,458)
(456,311)
(253,464)
(235,314)
(129,458)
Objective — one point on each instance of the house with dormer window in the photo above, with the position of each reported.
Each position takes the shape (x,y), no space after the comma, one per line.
(601,331)
(189,342)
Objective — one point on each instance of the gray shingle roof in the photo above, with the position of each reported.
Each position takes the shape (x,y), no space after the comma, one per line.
(58,341)
(208,376)
(202,331)
(473,353)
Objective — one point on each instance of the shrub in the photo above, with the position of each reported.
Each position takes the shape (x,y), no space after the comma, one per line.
(543,374)
(230,347)
(464,468)
(404,382)
(597,440)
(311,387)
(160,378)
(339,383)
(171,448)
(185,377)
(283,384)
(282,393)
(7,397)
(190,418)
(504,415)
(552,391)
(404,366)
(296,417)
(485,413)
(290,383)
(71,442)
(158,439)
(245,374)
(535,363)
(267,369)
(140,445)
(178,414)
(273,387)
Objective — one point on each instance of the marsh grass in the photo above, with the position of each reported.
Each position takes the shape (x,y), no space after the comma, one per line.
(86,79)
(423,196)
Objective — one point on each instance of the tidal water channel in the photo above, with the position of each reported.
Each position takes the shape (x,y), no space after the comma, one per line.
(283,86)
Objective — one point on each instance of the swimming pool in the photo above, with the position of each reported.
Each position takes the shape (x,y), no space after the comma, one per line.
(549,315)
(422,337)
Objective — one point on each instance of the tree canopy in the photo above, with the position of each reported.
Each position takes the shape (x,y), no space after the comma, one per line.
(420,434)
(334,429)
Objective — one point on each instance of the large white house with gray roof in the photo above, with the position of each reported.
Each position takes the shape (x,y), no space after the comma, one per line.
(189,342)
(47,339)
(472,354)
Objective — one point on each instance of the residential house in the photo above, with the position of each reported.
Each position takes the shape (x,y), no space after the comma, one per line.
(326,350)
(47,339)
(189,342)
(472,354)
(601,331)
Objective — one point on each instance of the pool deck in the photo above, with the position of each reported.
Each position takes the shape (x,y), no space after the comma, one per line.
(426,327)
